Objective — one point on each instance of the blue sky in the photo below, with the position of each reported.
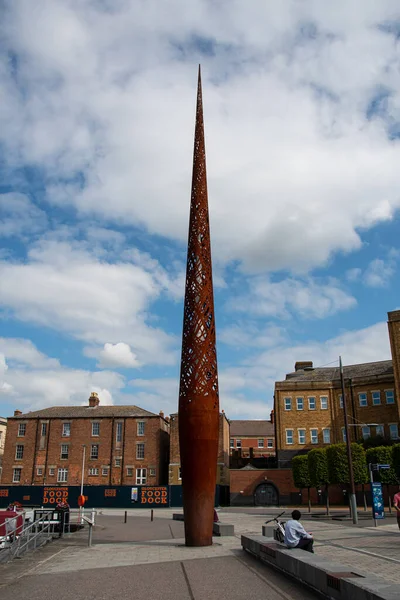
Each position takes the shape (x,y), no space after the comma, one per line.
(302,120)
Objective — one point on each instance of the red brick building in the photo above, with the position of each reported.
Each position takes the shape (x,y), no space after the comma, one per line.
(124,445)
(252,438)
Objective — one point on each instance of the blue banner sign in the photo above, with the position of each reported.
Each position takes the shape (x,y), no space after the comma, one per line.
(378,510)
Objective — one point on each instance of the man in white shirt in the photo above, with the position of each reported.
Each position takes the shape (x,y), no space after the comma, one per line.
(295,534)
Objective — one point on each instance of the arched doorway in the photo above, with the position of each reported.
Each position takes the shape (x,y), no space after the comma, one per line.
(266,494)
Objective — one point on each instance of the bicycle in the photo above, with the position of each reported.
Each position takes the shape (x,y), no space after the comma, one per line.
(279,531)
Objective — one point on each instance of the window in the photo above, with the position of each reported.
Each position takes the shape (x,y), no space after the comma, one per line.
(21,429)
(139,450)
(19,452)
(140,427)
(389,396)
(326,436)
(340,401)
(118,437)
(288,404)
(289,436)
(141,476)
(231,443)
(17,475)
(394,431)
(64,451)
(129,472)
(311,403)
(380,430)
(376,398)
(238,443)
(152,472)
(62,476)
(366,432)
(362,398)
(118,462)
(314,436)
(324,402)
(179,472)
(39,471)
(299,403)
(93,471)
(270,443)
(104,471)
(302,436)
(44,429)
(51,471)
(96,429)
(94,452)
(66,429)
(261,443)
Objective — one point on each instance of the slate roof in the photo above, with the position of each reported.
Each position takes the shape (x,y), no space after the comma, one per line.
(81,412)
(372,369)
(251,428)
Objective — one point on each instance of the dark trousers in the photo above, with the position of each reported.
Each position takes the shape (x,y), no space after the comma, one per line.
(305,544)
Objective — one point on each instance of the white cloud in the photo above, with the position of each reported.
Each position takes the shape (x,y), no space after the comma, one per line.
(19,216)
(118,355)
(295,166)
(64,287)
(379,273)
(24,352)
(353,274)
(311,298)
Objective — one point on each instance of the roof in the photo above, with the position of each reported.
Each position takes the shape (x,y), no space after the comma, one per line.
(81,412)
(251,428)
(372,369)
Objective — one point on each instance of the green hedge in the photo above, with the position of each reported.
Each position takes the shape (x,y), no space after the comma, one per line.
(301,476)
(338,470)
(383,455)
(318,467)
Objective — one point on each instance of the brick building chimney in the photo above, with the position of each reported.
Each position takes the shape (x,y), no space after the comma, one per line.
(17,413)
(161,414)
(272,416)
(94,400)
(303,364)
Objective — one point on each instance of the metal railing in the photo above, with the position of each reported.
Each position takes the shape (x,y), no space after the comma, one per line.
(32,536)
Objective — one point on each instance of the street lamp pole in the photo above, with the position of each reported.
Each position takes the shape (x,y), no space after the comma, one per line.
(353,502)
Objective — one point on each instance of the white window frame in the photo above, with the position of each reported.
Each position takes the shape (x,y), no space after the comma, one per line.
(270,443)
(309,403)
(39,471)
(324,400)
(314,440)
(66,430)
(141,445)
(63,446)
(43,431)
(96,428)
(21,430)
(391,392)
(394,437)
(141,476)
(152,472)
(117,461)
(104,471)
(379,398)
(51,472)
(299,403)
(380,428)
(129,471)
(360,400)
(302,436)
(327,431)
(288,403)
(93,472)
(289,433)
(260,443)
(231,443)
(15,471)
(366,432)
(239,444)
(140,425)
(19,450)
(94,455)
(62,475)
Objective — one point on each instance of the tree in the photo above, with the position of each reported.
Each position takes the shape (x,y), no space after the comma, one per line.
(383,455)
(318,470)
(338,468)
(301,475)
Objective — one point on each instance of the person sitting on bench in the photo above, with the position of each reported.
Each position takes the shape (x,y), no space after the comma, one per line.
(295,534)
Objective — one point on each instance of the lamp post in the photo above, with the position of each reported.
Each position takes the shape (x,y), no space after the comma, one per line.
(83,474)
(353,503)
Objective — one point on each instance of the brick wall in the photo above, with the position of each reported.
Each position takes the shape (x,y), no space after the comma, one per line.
(394,337)
(248,442)
(43,452)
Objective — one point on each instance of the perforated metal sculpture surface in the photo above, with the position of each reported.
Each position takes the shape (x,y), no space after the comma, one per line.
(198,392)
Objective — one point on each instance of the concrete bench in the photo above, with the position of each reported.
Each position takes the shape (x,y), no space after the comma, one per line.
(332,580)
(223,529)
(178,517)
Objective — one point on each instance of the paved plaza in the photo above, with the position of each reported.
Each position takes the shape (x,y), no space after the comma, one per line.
(148,559)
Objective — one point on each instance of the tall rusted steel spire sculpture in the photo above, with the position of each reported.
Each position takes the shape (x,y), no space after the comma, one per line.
(198,392)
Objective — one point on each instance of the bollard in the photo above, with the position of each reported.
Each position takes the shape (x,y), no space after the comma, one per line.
(151,514)
(90,535)
(126,516)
